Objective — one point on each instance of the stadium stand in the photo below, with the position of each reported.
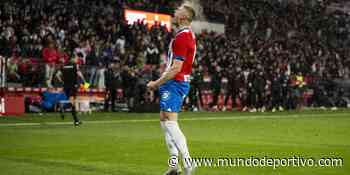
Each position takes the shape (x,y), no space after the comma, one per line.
(274,55)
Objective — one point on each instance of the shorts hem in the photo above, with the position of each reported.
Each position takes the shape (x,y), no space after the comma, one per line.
(162,110)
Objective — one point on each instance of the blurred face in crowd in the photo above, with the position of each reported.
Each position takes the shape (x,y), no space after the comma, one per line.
(116,66)
(51,45)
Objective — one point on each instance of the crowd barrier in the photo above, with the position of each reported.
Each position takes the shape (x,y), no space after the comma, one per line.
(13,99)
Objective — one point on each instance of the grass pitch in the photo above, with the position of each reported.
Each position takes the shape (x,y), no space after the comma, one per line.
(132,144)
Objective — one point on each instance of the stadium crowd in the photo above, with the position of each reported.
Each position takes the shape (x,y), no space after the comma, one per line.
(270,47)
(272,56)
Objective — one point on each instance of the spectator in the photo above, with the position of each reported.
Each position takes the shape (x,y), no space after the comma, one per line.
(50,56)
(113,82)
(152,55)
(129,86)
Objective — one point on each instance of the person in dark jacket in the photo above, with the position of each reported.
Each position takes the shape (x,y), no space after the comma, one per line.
(233,87)
(276,90)
(129,86)
(216,88)
(113,82)
(195,93)
(251,94)
(259,86)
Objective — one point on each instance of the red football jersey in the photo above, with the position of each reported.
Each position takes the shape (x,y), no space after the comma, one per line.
(182,47)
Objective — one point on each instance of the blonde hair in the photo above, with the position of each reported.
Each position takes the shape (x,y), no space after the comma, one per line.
(191,12)
(190,9)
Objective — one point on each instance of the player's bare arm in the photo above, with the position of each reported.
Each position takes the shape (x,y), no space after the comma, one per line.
(168,75)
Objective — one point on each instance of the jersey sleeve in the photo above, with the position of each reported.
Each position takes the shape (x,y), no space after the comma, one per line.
(180,47)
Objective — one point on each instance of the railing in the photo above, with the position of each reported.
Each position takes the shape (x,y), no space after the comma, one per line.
(30,73)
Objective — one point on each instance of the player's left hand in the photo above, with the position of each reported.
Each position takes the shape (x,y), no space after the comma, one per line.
(152,85)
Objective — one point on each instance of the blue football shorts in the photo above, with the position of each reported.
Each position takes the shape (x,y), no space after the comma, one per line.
(172,94)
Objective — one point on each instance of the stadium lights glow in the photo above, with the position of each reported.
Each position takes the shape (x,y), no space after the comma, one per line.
(149,18)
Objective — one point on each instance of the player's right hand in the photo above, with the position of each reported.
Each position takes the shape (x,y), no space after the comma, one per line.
(152,85)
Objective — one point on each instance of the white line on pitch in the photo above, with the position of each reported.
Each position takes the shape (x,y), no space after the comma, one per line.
(185,119)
